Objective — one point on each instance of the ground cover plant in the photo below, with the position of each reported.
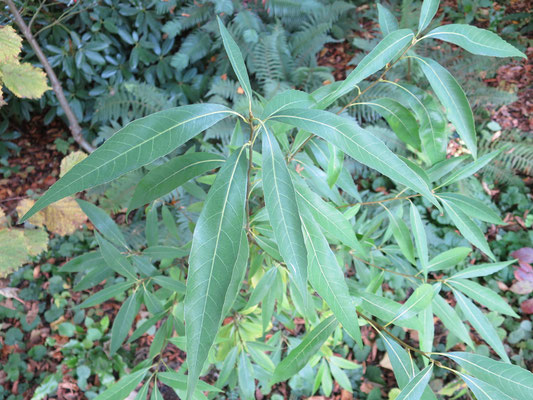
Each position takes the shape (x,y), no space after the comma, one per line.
(246,240)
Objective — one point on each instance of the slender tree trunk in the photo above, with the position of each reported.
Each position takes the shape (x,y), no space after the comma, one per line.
(74,126)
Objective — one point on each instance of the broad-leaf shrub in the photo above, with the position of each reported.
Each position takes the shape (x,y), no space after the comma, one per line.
(275,215)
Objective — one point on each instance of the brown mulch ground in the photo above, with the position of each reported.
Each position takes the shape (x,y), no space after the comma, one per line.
(38,161)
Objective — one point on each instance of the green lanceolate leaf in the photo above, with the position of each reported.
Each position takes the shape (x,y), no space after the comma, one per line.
(389,48)
(428,11)
(473,208)
(417,302)
(470,169)
(174,173)
(237,273)
(444,167)
(427,333)
(420,235)
(416,386)
(280,201)
(481,324)
(400,119)
(468,228)
(387,21)
(309,346)
(331,220)
(475,40)
(448,259)
(106,294)
(482,270)
(165,252)
(403,366)
(401,234)
(124,386)
(512,380)
(169,283)
(123,321)
(335,164)
(483,296)
(103,222)
(327,278)
(483,390)
(452,96)
(451,320)
(385,309)
(114,259)
(137,144)
(236,60)
(432,131)
(287,99)
(357,143)
(214,252)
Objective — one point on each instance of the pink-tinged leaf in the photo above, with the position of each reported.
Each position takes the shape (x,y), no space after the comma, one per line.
(527,306)
(524,272)
(523,255)
(522,287)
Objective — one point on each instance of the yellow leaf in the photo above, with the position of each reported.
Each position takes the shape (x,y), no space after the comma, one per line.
(24,80)
(10,44)
(13,250)
(24,206)
(64,216)
(71,160)
(36,241)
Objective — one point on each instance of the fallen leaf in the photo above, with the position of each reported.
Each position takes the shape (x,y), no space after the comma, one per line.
(522,287)
(385,362)
(71,160)
(527,306)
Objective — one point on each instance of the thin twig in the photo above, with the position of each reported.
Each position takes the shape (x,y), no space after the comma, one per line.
(74,126)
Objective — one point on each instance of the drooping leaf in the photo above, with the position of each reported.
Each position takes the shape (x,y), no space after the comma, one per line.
(237,273)
(475,40)
(468,228)
(167,177)
(280,201)
(246,377)
(328,217)
(451,320)
(452,96)
(357,143)
(510,379)
(114,259)
(327,278)
(103,222)
(124,386)
(403,366)
(137,144)
(420,236)
(123,321)
(335,164)
(385,51)
(309,346)
(417,385)
(169,283)
(236,60)
(162,252)
(214,251)
(428,11)
(400,119)
(483,296)
(387,21)
(24,80)
(481,324)
(448,259)
(401,234)
(427,333)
